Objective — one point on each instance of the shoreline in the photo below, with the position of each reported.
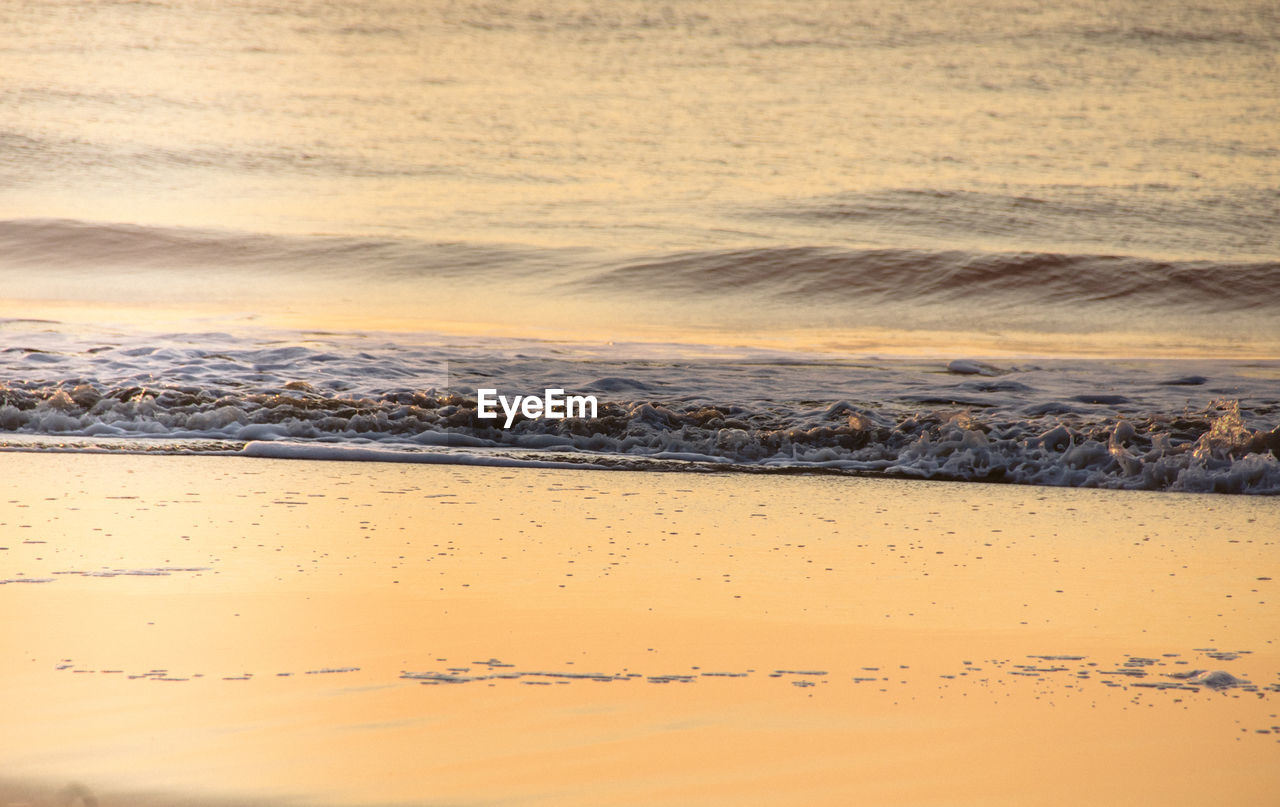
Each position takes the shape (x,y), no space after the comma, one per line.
(515,456)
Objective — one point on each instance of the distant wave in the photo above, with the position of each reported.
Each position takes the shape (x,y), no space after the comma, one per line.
(818,275)
(91,246)
(1147,34)
(1153,220)
(923,277)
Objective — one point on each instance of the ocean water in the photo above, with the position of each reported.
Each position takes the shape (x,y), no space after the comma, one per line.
(1008,241)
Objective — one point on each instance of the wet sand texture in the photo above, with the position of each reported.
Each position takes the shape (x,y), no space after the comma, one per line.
(245,631)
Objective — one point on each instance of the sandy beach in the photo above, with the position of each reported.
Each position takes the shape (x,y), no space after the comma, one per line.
(227,630)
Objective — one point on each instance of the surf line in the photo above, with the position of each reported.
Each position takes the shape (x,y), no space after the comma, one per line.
(553,405)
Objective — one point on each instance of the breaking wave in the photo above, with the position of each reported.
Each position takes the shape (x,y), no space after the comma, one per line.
(1209,450)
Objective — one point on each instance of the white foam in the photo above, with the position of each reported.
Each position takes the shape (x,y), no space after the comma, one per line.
(355,398)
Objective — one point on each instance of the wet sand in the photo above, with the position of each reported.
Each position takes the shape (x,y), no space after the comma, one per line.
(218,630)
